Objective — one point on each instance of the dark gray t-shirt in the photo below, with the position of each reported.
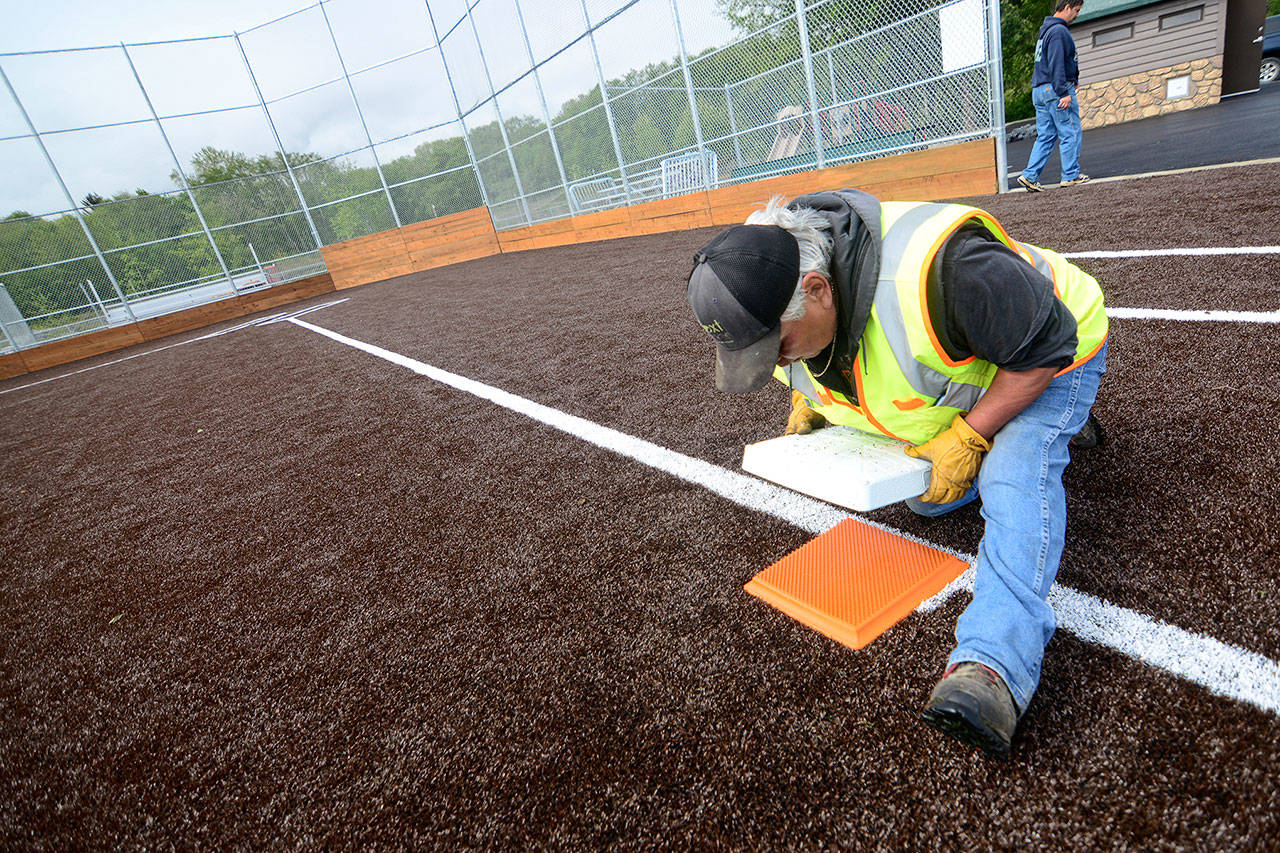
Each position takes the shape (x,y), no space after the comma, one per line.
(996,306)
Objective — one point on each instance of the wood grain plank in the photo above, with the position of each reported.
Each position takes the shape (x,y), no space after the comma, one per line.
(154,328)
(524,244)
(916,176)
(289,292)
(82,346)
(367,259)
(370,273)
(11,364)
(475,220)
(668,206)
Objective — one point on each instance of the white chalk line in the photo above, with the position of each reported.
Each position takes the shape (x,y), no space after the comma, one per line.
(1194,315)
(1188,315)
(1220,668)
(1162,253)
(261,321)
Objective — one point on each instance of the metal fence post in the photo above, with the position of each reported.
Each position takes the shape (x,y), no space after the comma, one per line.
(125,302)
(693,98)
(831,77)
(802,24)
(186,185)
(457,108)
(995,82)
(546,113)
(284,157)
(28,338)
(604,97)
(733,127)
(4,327)
(502,125)
(91,293)
(71,202)
(257,261)
(377,164)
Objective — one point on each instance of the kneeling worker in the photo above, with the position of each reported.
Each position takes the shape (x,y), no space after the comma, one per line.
(929,324)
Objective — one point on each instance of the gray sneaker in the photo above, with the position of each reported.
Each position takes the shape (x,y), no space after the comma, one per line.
(1078,179)
(1031,186)
(972,704)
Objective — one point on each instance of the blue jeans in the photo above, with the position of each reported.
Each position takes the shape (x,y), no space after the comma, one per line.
(1052,125)
(1009,623)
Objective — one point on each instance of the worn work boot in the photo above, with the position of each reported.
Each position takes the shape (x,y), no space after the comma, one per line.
(1090,435)
(1030,186)
(972,704)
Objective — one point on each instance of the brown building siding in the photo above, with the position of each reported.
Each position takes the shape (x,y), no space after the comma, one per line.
(1129,79)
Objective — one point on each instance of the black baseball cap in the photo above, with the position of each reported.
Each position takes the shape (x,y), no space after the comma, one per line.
(740,285)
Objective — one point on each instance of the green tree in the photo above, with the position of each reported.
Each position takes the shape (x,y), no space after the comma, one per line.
(1019,25)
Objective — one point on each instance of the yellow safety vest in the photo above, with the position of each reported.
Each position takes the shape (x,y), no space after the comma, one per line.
(907,387)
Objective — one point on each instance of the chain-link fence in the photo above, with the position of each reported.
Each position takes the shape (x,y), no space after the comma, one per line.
(229,161)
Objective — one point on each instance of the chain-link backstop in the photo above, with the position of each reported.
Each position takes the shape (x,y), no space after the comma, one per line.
(147,178)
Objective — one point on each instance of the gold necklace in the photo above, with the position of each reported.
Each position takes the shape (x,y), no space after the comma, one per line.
(829,358)
(835,336)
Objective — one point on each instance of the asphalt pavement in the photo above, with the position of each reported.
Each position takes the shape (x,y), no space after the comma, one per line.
(1239,129)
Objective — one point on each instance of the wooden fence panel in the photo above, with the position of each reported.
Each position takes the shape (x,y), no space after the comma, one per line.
(81,346)
(284,294)
(187,319)
(12,365)
(367,259)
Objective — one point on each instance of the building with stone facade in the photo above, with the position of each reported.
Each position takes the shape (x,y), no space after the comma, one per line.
(1141,59)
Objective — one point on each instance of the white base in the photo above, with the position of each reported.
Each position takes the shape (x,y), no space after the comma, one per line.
(840,465)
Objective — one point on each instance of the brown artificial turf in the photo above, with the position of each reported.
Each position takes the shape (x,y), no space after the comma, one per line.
(264,590)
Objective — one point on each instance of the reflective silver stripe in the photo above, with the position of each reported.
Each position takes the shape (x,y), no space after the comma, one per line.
(1039,261)
(799,379)
(961,395)
(899,235)
(924,380)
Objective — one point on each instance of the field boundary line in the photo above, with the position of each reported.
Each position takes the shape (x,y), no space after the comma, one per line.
(1175,252)
(1195,314)
(261,321)
(1219,667)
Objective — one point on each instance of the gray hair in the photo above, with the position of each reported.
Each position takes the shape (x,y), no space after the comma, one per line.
(812,231)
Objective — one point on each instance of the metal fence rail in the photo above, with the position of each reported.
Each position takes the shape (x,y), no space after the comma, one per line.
(229,161)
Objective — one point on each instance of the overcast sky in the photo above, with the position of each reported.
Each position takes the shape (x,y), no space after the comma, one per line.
(54,24)
(76,89)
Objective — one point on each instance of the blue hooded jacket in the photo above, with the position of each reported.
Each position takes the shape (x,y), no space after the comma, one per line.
(1055,57)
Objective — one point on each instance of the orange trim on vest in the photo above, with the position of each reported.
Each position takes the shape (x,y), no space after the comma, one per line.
(908,405)
(924,294)
(866,411)
(1079,361)
(829,399)
(1053,273)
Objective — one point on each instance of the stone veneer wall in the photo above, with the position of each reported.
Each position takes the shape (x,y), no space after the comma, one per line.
(1142,95)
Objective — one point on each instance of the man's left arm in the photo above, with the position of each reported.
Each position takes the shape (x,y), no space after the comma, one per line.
(1003,311)
(956,452)
(1010,392)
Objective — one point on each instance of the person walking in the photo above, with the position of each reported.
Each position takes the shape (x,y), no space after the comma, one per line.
(928,323)
(1053,92)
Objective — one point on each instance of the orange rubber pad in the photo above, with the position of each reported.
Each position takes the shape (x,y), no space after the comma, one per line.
(855,581)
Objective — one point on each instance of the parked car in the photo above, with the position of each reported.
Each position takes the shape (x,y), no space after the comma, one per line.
(1270,68)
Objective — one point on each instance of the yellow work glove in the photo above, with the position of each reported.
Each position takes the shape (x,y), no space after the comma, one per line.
(803,420)
(956,453)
